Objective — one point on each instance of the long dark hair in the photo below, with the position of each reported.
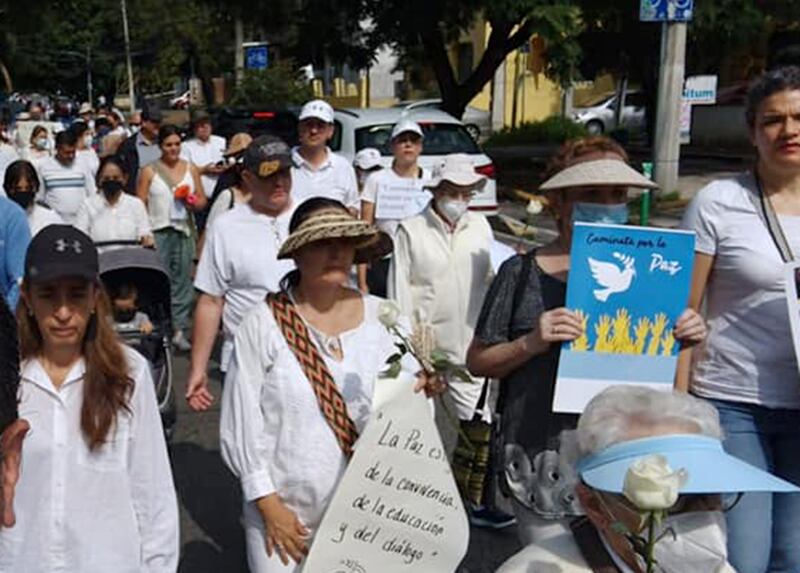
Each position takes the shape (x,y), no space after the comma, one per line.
(107,382)
(303,212)
(20,169)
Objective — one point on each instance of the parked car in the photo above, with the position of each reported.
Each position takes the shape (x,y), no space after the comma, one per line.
(477,121)
(228,121)
(598,116)
(356,129)
(181,101)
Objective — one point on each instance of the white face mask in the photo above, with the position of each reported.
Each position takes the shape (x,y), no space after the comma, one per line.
(88,139)
(698,546)
(453,210)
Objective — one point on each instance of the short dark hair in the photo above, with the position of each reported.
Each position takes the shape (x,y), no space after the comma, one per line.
(79,128)
(112,160)
(20,169)
(167,130)
(66,137)
(780,79)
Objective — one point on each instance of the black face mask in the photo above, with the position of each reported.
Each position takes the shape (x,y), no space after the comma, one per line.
(110,188)
(24,200)
(124,315)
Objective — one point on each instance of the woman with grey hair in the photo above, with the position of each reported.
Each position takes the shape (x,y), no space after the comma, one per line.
(627,424)
(747,228)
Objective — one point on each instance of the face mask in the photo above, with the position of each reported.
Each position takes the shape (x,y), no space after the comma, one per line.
(24,200)
(110,187)
(698,546)
(134,129)
(40,143)
(452,210)
(88,139)
(598,213)
(124,315)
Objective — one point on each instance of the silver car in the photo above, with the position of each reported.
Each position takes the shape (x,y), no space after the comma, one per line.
(598,117)
(476,121)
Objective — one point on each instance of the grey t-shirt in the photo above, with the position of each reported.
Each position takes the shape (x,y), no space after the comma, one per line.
(748,355)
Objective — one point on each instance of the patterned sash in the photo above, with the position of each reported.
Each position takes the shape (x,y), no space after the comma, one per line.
(329,398)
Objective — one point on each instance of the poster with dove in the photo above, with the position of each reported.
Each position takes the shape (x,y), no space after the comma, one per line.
(629,285)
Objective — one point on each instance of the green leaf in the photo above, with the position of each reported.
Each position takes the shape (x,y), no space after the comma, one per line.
(393,371)
(394,358)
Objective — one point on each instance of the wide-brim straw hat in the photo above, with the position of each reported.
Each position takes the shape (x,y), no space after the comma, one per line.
(238,144)
(605,172)
(333,223)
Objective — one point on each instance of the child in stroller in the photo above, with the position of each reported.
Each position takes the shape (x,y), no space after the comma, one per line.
(128,318)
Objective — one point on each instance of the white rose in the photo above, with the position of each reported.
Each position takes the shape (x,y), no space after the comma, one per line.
(388,313)
(534,207)
(650,484)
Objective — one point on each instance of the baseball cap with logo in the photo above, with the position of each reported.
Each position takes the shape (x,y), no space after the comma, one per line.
(318,109)
(60,251)
(406,126)
(266,155)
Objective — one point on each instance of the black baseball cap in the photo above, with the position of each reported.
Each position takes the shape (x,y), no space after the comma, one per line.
(266,155)
(60,251)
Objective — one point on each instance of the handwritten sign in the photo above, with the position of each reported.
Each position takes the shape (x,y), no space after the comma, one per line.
(629,285)
(400,202)
(397,508)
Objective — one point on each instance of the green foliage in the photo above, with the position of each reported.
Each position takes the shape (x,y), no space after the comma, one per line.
(553,130)
(277,86)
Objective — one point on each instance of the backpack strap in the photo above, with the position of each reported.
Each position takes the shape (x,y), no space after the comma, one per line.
(329,399)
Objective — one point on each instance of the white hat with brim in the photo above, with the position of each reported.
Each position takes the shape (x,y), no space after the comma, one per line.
(317,109)
(335,223)
(457,169)
(605,172)
(86,107)
(406,126)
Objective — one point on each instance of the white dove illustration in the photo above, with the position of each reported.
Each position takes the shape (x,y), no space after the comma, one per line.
(611,277)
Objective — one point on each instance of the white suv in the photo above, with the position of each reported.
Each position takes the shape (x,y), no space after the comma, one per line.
(444,134)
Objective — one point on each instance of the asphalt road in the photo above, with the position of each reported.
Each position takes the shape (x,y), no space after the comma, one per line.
(212,540)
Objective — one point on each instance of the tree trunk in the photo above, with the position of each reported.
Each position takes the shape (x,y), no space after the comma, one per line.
(455,96)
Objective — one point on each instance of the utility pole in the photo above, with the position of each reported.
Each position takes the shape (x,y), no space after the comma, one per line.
(239,49)
(89,87)
(129,63)
(668,114)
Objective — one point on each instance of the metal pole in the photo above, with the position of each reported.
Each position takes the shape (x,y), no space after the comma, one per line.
(668,114)
(129,63)
(89,90)
(239,49)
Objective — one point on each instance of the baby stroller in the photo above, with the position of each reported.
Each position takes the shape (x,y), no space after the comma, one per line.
(127,262)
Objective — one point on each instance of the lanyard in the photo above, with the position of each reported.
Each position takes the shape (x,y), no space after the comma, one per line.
(767,213)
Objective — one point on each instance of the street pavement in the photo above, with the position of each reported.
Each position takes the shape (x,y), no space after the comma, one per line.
(212,540)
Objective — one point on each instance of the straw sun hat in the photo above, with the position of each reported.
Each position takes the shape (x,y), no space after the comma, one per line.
(606,172)
(337,223)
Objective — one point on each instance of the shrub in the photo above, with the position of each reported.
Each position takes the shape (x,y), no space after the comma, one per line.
(277,86)
(555,130)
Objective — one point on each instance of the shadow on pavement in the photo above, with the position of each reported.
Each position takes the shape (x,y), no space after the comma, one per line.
(210,496)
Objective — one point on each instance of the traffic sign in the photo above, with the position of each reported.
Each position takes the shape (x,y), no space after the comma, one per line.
(256,56)
(666,10)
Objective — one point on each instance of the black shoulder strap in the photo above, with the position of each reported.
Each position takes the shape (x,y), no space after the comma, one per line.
(768,216)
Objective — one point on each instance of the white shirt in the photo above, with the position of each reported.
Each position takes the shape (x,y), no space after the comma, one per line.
(748,355)
(240,263)
(89,158)
(387,178)
(201,153)
(82,511)
(64,187)
(163,209)
(273,435)
(126,220)
(444,276)
(334,179)
(40,217)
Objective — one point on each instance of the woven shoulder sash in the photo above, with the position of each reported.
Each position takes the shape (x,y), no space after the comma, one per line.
(329,398)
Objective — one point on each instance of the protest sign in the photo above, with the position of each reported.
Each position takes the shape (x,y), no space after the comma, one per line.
(791,273)
(629,285)
(397,508)
(400,201)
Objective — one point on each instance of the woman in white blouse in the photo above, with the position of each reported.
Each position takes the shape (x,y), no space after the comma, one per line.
(96,491)
(111,214)
(275,438)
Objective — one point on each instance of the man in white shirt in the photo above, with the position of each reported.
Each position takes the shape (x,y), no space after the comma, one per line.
(239,263)
(65,181)
(205,151)
(318,171)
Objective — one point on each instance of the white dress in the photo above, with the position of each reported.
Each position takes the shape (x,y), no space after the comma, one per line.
(274,437)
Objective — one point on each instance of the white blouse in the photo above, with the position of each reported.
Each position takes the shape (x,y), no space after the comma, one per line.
(274,437)
(112,509)
(164,210)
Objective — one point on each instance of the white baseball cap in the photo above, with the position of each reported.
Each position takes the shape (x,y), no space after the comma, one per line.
(318,109)
(368,158)
(406,125)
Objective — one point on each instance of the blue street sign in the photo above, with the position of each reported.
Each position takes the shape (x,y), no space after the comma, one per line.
(256,57)
(666,10)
